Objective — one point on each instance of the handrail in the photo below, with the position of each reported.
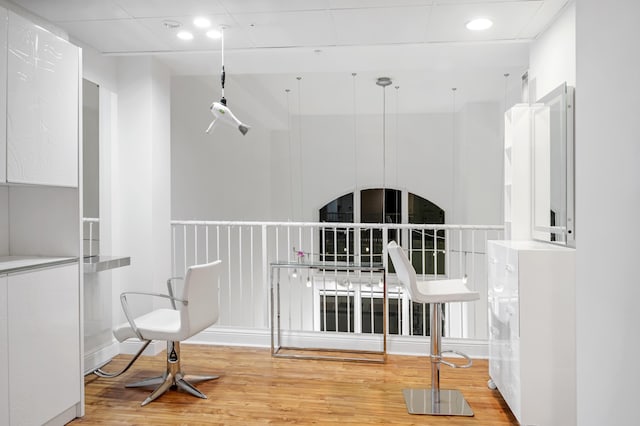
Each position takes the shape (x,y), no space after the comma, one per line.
(409,226)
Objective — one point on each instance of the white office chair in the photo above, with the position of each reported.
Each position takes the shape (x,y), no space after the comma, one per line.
(434,401)
(196,310)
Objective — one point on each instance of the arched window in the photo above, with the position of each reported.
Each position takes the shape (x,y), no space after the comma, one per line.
(336,244)
(383,206)
(427,252)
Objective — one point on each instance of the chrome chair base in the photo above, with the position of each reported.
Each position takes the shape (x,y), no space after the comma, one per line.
(172,378)
(422,401)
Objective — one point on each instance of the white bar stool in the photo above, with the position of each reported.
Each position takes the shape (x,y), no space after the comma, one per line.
(434,401)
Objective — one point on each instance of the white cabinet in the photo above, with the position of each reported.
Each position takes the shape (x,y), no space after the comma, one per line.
(532,330)
(4,354)
(517,172)
(3,95)
(42,106)
(40,223)
(44,345)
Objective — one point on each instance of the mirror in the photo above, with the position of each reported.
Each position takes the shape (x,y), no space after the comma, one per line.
(90,167)
(553,162)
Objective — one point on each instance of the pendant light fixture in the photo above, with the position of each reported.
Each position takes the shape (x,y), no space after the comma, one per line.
(384,82)
(220,110)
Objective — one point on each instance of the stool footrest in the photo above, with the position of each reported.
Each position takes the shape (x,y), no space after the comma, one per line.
(453,365)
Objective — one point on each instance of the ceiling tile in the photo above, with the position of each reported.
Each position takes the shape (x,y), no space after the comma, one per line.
(447,22)
(362,4)
(388,25)
(262,6)
(235,36)
(311,28)
(160,8)
(73,10)
(125,35)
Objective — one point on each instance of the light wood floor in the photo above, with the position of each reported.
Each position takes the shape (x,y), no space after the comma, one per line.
(255,388)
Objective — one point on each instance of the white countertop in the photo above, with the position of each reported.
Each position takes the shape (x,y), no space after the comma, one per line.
(9,264)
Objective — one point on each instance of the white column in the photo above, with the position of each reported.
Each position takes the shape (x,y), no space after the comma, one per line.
(607,206)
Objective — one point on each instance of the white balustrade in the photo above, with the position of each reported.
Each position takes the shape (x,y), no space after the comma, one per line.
(328,301)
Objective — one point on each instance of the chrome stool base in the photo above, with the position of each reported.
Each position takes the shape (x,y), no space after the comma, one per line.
(172,378)
(421,401)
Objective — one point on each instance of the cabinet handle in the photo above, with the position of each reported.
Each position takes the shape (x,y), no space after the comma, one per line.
(509,268)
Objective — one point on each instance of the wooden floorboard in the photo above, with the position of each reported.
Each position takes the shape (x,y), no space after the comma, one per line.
(255,388)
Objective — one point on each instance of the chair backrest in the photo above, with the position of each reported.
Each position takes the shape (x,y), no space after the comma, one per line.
(202,294)
(404,269)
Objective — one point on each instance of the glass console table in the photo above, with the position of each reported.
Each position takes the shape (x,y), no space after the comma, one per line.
(278,349)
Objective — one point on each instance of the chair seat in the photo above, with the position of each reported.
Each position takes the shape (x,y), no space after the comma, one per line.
(444,291)
(161,324)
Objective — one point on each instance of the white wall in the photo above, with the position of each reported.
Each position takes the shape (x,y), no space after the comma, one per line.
(100,69)
(418,159)
(100,297)
(218,176)
(266,176)
(141,181)
(135,166)
(607,206)
(552,58)
(477,165)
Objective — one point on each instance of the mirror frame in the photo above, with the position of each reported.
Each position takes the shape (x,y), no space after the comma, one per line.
(564,94)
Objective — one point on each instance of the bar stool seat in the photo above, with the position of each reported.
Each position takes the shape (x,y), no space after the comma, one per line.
(433,401)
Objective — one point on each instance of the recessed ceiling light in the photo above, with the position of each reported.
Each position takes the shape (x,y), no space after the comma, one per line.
(185,35)
(215,34)
(479,24)
(201,22)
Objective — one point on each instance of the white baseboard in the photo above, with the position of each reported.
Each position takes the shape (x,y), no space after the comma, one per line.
(261,338)
(100,357)
(131,347)
(397,345)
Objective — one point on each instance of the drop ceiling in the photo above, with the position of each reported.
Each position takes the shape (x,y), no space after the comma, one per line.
(422,44)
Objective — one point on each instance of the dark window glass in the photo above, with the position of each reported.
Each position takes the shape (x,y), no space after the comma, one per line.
(329,304)
(337,243)
(375,305)
(371,211)
(420,319)
(427,246)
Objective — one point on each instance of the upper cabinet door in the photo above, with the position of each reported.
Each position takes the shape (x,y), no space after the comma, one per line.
(3,94)
(42,106)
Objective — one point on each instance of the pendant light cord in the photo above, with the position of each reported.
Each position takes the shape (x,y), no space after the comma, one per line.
(384,154)
(223,101)
(355,142)
(290,157)
(300,149)
(397,133)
